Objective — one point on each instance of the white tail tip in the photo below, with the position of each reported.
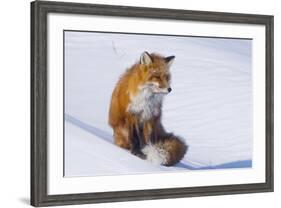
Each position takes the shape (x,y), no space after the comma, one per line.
(155,154)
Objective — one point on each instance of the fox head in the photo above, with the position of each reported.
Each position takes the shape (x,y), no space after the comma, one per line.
(155,71)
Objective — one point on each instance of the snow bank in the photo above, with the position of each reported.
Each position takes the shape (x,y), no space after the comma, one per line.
(210,105)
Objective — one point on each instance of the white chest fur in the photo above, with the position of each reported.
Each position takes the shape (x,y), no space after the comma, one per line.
(146,104)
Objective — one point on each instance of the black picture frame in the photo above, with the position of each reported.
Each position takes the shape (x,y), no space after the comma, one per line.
(39,98)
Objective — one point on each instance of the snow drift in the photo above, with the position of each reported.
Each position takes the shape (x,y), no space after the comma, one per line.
(210,106)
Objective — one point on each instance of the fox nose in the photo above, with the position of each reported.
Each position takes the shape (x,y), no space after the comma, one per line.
(169,89)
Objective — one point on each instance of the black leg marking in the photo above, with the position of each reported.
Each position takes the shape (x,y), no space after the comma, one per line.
(140,135)
(153,137)
(137,143)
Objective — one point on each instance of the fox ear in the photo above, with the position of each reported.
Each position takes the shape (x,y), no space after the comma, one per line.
(145,58)
(169,60)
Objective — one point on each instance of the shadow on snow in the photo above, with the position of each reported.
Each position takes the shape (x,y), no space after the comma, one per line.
(235,164)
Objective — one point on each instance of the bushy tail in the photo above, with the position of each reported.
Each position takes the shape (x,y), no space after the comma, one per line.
(167,151)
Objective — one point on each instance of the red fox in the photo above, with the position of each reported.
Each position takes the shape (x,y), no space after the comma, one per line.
(136,108)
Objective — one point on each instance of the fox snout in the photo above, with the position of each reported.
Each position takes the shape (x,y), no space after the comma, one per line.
(165,90)
(168,90)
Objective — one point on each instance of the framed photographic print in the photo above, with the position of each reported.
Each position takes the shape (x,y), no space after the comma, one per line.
(131,103)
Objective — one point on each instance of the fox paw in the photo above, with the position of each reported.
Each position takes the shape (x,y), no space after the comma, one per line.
(139,154)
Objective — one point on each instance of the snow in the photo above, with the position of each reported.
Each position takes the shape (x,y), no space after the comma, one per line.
(210,105)
(98,156)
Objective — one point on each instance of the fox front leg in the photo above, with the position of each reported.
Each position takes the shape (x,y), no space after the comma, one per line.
(137,141)
(149,133)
